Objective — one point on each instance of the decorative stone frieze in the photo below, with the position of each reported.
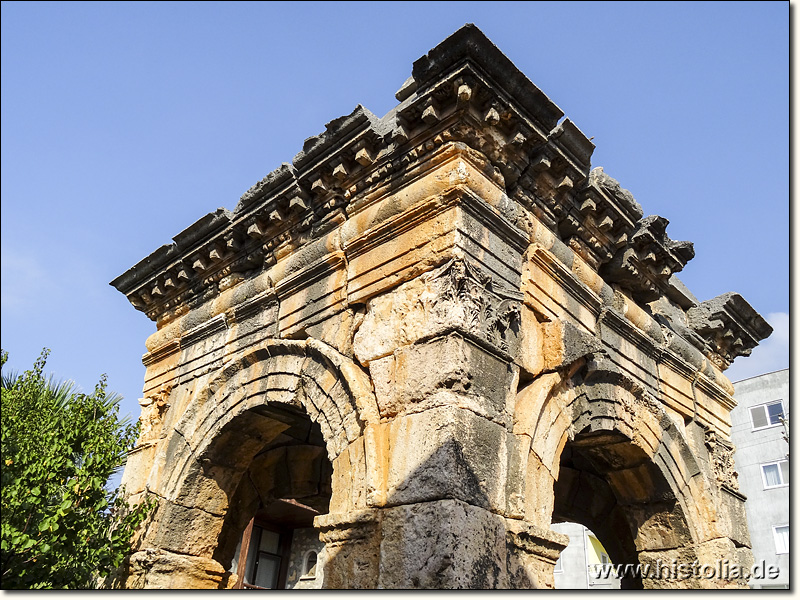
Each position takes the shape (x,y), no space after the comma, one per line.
(153,409)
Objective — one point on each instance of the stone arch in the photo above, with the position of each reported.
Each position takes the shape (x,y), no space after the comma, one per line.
(605,454)
(277,388)
(308,374)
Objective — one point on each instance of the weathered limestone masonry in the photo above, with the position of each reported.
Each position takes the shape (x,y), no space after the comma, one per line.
(486,332)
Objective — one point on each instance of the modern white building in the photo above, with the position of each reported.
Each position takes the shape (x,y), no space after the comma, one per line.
(577,567)
(760,433)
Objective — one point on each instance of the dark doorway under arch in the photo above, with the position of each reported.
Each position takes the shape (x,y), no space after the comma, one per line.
(268,528)
(610,485)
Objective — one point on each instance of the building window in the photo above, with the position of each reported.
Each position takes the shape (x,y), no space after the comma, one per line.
(264,560)
(781,533)
(775,474)
(310,565)
(766,415)
(279,547)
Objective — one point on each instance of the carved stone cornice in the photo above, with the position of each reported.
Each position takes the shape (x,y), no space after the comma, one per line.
(595,219)
(530,539)
(464,96)
(729,326)
(645,264)
(600,220)
(465,90)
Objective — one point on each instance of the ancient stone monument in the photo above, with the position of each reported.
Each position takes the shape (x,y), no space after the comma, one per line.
(406,354)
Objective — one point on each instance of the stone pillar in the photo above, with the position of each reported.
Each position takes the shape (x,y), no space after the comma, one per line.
(442,544)
(351,556)
(532,553)
(440,352)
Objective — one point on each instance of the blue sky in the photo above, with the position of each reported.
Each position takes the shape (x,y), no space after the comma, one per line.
(123,123)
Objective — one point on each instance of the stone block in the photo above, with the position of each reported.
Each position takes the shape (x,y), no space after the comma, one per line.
(517,453)
(538,491)
(552,289)
(310,296)
(163,570)
(447,453)
(204,344)
(137,467)
(658,526)
(404,254)
(563,343)
(485,246)
(406,379)
(349,479)
(351,558)
(206,486)
(531,554)
(253,320)
(335,330)
(733,518)
(632,354)
(190,531)
(445,544)
(531,356)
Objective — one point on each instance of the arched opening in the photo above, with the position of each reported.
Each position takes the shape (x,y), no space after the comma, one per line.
(267,443)
(268,529)
(606,454)
(610,485)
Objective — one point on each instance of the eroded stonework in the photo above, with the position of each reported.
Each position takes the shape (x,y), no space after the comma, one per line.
(440,332)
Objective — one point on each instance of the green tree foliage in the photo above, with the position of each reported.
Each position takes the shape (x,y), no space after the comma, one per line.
(61,527)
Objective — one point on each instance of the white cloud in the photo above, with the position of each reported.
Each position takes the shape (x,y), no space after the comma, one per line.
(770,355)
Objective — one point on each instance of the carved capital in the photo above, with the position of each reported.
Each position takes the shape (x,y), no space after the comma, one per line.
(469,297)
(341,528)
(721,453)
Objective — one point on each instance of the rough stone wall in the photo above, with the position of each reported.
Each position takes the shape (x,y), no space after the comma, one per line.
(489,334)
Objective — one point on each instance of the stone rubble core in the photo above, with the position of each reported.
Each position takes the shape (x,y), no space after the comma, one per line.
(487,332)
